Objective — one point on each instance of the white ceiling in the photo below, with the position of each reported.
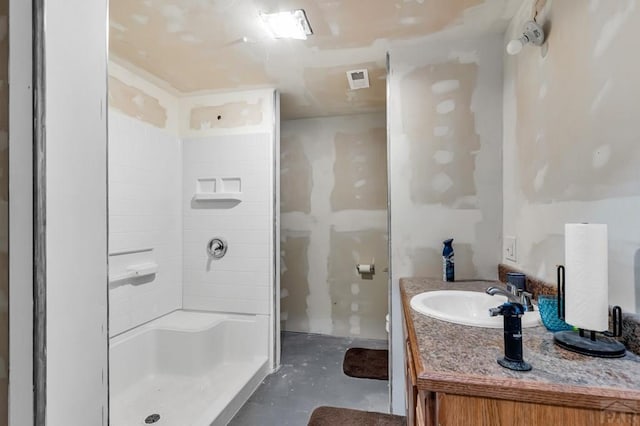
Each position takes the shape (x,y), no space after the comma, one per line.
(194,46)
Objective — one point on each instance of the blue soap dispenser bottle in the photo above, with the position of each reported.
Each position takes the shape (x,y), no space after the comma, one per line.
(448,270)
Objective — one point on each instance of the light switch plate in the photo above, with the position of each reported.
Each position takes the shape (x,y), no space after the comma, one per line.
(510,252)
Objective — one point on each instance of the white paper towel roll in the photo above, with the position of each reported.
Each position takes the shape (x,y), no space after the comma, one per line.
(586,276)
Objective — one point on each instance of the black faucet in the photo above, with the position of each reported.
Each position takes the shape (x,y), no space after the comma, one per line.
(512,313)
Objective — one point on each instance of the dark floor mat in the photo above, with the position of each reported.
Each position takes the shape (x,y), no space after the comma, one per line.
(333,416)
(366,363)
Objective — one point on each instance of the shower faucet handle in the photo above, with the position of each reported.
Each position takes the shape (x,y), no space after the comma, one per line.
(217,248)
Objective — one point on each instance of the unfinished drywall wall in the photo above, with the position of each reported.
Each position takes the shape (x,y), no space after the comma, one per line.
(135,103)
(241,112)
(140,95)
(133,93)
(229,115)
(296,177)
(357,162)
(571,145)
(218,45)
(329,87)
(4,211)
(445,111)
(333,183)
(437,99)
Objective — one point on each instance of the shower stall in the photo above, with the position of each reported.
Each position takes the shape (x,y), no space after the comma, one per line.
(193,243)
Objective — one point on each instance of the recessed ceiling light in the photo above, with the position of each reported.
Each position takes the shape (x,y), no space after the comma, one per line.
(291,24)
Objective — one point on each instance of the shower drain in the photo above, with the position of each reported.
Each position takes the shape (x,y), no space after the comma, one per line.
(152,418)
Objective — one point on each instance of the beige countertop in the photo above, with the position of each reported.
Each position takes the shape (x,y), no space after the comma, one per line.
(460,359)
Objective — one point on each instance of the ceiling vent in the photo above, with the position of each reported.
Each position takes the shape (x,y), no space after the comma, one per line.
(358,79)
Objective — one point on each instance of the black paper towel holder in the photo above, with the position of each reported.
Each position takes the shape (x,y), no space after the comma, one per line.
(588,342)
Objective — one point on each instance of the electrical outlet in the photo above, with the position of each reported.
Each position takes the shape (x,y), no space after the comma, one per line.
(510,252)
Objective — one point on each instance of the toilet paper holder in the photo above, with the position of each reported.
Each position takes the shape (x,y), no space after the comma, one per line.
(366,268)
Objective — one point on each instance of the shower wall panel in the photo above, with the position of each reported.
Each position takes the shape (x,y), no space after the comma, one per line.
(240,281)
(144,214)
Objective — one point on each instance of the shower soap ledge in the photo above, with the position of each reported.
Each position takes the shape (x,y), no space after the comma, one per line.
(143,269)
(135,271)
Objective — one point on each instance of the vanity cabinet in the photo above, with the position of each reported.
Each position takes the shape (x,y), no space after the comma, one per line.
(420,403)
(563,389)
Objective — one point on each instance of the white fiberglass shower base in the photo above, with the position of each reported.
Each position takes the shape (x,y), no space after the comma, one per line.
(190,368)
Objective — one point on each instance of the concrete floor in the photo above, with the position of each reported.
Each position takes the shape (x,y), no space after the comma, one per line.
(310,376)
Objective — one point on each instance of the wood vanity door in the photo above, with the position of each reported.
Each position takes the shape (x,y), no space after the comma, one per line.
(410,384)
(458,410)
(420,403)
(426,409)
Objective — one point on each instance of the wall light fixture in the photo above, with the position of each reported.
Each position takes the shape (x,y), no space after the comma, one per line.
(533,33)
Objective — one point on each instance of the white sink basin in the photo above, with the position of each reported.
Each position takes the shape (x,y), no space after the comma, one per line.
(466,308)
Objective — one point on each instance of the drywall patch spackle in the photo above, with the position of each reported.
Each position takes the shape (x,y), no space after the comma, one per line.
(538,181)
(596,110)
(175,17)
(190,38)
(440,131)
(140,19)
(445,107)
(339,301)
(452,122)
(360,158)
(229,115)
(445,86)
(600,96)
(295,176)
(443,157)
(601,156)
(293,280)
(135,103)
(612,27)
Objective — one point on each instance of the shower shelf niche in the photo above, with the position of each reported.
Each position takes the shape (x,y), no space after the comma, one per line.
(203,196)
(218,189)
